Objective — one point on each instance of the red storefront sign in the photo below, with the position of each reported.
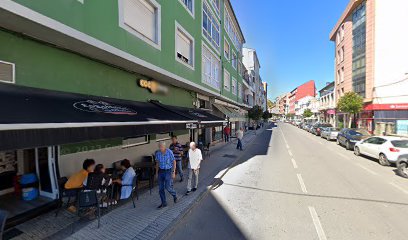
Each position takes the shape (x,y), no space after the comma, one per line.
(397,106)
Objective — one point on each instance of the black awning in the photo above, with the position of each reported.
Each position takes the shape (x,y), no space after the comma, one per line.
(33,117)
(203,117)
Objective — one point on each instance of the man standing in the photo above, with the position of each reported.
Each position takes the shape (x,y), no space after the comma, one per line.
(165,172)
(227,132)
(240,135)
(195,158)
(177,150)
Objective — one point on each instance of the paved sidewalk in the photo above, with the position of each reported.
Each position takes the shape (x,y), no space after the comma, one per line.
(144,221)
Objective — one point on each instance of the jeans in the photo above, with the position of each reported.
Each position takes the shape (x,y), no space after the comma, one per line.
(165,182)
(239,144)
(226,137)
(179,168)
(190,176)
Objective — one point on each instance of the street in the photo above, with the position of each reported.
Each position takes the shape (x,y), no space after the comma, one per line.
(290,184)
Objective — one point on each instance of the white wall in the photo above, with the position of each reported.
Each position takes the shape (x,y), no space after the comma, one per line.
(71,163)
(391,51)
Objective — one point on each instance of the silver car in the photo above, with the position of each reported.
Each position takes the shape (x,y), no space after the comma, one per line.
(330,133)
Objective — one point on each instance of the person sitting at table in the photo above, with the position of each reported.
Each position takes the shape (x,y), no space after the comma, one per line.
(127,179)
(98,179)
(76,181)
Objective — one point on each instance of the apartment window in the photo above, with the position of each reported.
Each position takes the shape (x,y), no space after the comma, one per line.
(210,68)
(227,80)
(234,86)
(226,49)
(342,33)
(7,72)
(141,18)
(338,38)
(231,30)
(342,54)
(184,46)
(135,141)
(216,5)
(338,56)
(338,76)
(188,5)
(211,27)
(342,74)
(234,60)
(240,93)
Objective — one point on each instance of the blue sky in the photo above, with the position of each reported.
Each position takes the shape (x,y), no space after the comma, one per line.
(291,39)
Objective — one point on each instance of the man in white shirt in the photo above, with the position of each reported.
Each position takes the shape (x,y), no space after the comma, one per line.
(195,158)
(240,135)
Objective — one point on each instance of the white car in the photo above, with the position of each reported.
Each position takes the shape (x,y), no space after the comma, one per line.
(386,149)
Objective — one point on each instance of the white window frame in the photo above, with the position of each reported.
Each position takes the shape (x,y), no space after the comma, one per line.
(227,88)
(229,49)
(156,44)
(234,60)
(239,90)
(13,73)
(216,48)
(234,82)
(213,57)
(184,31)
(147,141)
(188,10)
(218,14)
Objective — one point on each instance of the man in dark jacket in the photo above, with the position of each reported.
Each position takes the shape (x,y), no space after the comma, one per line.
(177,150)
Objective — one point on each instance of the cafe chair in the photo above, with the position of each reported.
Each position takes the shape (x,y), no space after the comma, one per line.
(3,218)
(65,194)
(87,199)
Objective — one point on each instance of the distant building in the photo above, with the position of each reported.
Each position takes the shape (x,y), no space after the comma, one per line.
(306,89)
(327,107)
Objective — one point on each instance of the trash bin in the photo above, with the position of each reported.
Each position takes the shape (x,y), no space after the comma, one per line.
(29,185)
(30,194)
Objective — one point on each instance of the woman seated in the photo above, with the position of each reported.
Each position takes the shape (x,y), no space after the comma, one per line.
(98,179)
(127,179)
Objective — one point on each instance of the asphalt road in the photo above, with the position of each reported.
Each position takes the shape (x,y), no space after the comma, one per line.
(290,184)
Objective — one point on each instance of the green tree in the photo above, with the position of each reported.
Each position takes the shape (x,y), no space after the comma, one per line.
(290,115)
(266,115)
(350,103)
(270,104)
(307,113)
(255,113)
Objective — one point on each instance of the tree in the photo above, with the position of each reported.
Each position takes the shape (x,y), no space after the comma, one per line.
(255,113)
(266,115)
(290,115)
(270,104)
(350,103)
(307,113)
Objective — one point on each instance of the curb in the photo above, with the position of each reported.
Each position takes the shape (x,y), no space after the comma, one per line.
(172,228)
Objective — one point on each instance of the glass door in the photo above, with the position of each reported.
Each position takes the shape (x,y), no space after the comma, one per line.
(46,171)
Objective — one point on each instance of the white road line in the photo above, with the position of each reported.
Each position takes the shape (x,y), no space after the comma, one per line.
(287,146)
(367,169)
(302,183)
(317,224)
(290,153)
(294,163)
(399,188)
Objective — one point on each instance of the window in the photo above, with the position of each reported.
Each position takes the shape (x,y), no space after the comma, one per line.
(216,5)
(188,5)
(141,18)
(227,80)
(226,49)
(342,54)
(163,136)
(338,56)
(234,60)
(210,68)
(184,46)
(135,141)
(240,92)
(338,76)
(342,33)
(7,72)
(342,74)
(231,30)
(234,86)
(211,27)
(338,38)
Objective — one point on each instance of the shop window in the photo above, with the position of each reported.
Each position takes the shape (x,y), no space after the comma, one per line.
(7,73)
(135,141)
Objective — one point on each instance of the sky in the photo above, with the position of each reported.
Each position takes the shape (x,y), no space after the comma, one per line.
(291,38)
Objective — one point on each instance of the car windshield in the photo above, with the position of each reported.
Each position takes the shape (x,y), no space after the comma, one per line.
(400,143)
(359,132)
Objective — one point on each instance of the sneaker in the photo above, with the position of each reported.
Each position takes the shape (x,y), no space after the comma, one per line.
(194,189)
(162,206)
(188,192)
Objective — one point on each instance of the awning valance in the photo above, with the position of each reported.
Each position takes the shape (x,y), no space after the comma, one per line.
(36,117)
(233,115)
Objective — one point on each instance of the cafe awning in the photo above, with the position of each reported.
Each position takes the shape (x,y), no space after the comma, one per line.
(33,117)
(204,118)
(232,114)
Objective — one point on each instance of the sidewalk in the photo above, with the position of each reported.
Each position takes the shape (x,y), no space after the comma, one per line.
(144,221)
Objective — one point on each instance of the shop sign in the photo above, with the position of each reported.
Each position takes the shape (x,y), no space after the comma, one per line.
(153,86)
(402,127)
(398,106)
(103,107)
(191,126)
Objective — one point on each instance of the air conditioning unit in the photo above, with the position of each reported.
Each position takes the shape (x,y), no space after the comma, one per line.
(7,72)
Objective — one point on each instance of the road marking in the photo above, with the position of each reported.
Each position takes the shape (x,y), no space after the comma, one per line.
(367,169)
(287,146)
(290,153)
(294,163)
(302,183)
(317,224)
(399,188)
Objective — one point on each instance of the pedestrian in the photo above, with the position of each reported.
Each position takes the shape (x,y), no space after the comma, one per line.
(195,158)
(227,132)
(165,172)
(177,150)
(240,135)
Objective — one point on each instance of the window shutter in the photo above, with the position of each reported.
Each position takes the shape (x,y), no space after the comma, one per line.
(141,16)
(6,72)
(184,46)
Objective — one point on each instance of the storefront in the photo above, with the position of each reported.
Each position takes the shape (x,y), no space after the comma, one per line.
(236,118)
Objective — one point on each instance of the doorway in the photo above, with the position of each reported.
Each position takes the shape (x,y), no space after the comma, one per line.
(46,171)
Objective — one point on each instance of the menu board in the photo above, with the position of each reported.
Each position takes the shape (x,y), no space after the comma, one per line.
(8,161)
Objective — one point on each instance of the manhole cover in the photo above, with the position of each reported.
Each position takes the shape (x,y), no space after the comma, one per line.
(229,156)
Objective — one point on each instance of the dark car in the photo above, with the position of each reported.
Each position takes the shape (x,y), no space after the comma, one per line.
(317,128)
(348,137)
(402,165)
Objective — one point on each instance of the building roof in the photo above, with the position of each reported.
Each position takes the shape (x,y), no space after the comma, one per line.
(328,85)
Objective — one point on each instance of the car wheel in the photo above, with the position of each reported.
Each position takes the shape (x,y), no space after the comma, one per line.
(327,138)
(383,160)
(357,151)
(403,169)
(348,146)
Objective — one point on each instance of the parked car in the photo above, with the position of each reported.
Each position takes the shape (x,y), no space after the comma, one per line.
(348,137)
(317,128)
(330,133)
(307,127)
(402,165)
(385,148)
